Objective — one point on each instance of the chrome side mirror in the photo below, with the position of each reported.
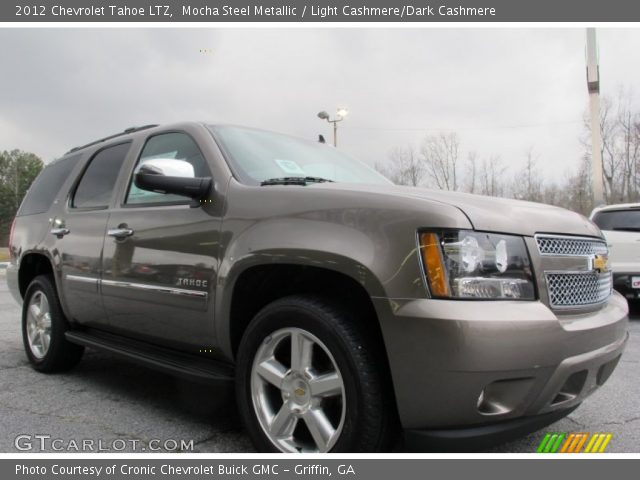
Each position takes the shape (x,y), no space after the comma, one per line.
(168,175)
(168,167)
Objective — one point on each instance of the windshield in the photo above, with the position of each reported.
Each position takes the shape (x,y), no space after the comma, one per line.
(257,155)
(618,219)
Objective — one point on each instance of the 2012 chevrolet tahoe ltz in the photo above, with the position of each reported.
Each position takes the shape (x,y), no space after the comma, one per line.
(341,305)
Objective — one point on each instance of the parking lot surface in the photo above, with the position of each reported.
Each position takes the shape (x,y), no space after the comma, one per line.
(107,404)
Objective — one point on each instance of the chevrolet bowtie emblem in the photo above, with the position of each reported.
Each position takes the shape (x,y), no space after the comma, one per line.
(600,263)
(299,392)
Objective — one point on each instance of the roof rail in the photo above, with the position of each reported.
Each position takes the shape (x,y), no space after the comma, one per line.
(124,132)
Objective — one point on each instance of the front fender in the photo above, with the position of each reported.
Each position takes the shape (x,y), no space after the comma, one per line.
(308,243)
(368,236)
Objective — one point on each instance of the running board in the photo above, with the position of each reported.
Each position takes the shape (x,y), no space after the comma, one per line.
(177,363)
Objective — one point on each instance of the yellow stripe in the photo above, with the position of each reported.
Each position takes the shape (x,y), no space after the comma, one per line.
(605,443)
(567,442)
(582,440)
(574,443)
(598,442)
(591,442)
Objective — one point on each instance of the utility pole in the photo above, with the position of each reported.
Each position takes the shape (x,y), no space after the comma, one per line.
(593,85)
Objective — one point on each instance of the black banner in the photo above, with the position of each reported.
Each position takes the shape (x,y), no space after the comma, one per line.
(324,11)
(284,468)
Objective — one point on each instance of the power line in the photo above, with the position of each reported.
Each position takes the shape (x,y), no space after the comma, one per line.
(488,127)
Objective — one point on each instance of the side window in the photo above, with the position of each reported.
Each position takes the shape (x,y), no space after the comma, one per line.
(47,185)
(97,182)
(167,145)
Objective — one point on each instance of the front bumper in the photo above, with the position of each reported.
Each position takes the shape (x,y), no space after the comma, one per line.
(467,364)
(483,436)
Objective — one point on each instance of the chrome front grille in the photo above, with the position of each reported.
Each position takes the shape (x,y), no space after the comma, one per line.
(549,245)
(569,265)
(578,289)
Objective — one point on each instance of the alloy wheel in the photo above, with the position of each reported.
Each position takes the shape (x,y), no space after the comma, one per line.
(298,392)
(39,325)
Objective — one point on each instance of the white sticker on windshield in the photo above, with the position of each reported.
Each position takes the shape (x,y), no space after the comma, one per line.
(290,167)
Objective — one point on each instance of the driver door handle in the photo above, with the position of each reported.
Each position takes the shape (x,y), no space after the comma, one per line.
(120,232)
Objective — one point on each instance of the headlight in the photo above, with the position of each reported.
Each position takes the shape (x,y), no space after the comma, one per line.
(469,264)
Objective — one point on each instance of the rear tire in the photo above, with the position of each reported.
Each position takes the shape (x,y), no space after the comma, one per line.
(326,394)
(43,329)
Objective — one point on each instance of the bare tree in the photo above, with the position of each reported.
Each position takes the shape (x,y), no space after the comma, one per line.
(609,157)
(404,167)
(440,154)
(492,175)
(620,147)
(629,150)
(578,194)
(528,182)
(439,162)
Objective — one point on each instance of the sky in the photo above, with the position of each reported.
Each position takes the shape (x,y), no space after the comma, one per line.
(503,90)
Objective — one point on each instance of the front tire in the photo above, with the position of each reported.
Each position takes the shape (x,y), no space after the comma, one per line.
(43,329)
(307,380)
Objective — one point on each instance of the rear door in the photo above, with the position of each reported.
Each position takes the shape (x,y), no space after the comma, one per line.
(161,255)
(79,230)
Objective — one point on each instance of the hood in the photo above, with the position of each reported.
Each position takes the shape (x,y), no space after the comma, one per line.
(492,214)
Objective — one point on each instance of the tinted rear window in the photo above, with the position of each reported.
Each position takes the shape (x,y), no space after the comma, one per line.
(46,186)
(618,219)
(97,182)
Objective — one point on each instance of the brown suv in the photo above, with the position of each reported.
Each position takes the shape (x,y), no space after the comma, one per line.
(341,305)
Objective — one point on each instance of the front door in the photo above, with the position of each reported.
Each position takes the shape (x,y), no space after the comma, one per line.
(161,257)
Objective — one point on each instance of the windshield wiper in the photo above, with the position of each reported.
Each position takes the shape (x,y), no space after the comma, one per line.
(627,229)
(294,181)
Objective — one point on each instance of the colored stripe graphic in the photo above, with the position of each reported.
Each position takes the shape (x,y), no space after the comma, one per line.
(543,443)
(606,442)
(567,442)
(556,445)
(550,443)
(581,442)
(559,442)
(579,437)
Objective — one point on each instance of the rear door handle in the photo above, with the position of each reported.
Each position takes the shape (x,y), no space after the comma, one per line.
(120,232)
(60,232)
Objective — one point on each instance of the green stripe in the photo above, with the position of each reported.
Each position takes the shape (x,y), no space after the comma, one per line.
(558,443)
(547,449)
(543,443)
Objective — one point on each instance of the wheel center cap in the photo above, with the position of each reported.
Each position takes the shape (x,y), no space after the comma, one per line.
(300,392)
(297,390)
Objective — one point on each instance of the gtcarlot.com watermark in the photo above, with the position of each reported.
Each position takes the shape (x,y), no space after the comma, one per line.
(47,443)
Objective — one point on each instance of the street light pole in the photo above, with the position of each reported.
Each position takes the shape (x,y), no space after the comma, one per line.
(340,114)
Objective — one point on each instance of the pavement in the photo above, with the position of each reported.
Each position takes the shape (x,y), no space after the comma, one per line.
(108,404)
